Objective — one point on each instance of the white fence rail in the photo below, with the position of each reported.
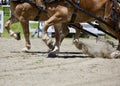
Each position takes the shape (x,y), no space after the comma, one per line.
(1,21)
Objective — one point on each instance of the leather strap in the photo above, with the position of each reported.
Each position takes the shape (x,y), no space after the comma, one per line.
(74,15)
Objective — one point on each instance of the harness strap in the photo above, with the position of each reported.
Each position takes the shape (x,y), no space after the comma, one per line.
(49,1)
(114,12)
(74,15)
(38,15)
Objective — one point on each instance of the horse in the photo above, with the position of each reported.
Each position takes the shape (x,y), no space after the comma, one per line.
(62,11)
(24,15)
(23,11)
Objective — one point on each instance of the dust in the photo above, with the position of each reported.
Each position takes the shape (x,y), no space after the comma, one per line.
(100,48)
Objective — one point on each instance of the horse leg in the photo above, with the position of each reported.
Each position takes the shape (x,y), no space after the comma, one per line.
(56,48)
(116,53)
(45,37)
(10,21)
(64,32)
(76,41)
(51,21)
(58,17)
(118,47)
(59,36)
(25,26)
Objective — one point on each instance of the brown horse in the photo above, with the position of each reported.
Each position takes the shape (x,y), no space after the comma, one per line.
(23,12)
(61,12)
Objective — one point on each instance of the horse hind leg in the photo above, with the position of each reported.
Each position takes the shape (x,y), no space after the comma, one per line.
(10,21)
(116,53)
(76,41)
(64,32)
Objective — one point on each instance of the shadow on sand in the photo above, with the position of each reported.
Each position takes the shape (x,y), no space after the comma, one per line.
(60,55)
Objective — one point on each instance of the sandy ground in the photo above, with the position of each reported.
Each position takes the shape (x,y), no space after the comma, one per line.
(70,68)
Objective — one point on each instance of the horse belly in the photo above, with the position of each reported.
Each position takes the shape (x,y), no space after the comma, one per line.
(82,17)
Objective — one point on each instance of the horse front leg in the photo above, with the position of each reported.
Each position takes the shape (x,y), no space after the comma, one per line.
(25,26)
(56,48)
(10,21)
(45,37)
(51,21)
(56,19)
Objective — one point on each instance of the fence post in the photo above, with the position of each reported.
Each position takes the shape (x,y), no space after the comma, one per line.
(1,22)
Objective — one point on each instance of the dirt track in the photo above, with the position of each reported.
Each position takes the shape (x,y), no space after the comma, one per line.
(70,68)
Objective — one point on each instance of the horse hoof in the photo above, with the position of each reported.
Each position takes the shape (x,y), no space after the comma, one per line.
(25,49)
(52,54)
(18,35)
(115,54)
